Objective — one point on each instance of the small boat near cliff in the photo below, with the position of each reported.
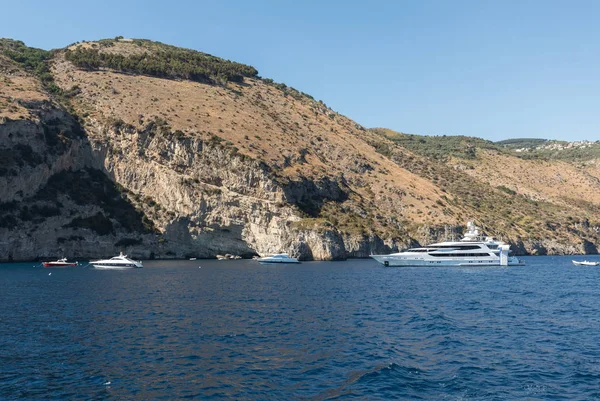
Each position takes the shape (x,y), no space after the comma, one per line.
(59,263)
(278,258)
(585,263)
(117,262)
(228,257)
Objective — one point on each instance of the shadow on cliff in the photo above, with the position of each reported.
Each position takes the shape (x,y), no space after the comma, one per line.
(58,195)
(179,241)
(310,195)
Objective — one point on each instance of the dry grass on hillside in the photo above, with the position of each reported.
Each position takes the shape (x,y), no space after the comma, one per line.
(297,137)
(17,87)
(556,181)
(124,48)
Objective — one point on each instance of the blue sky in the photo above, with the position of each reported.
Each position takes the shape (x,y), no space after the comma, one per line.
(492,69)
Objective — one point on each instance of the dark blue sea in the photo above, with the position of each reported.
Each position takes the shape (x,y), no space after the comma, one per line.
(238,330)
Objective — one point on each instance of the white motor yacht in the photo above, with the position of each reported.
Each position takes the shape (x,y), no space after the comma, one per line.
(473,250)
(117,262)
(278,258)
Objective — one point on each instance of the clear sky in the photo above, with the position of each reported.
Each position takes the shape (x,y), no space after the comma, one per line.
(495,69)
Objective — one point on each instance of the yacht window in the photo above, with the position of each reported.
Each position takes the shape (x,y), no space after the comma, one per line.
(475,255)
(459,247)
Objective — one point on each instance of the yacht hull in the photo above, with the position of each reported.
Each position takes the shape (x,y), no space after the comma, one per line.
(52,264)
(122,267)
(400,261)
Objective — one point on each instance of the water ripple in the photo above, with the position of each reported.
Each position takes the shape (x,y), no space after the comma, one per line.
(316,331)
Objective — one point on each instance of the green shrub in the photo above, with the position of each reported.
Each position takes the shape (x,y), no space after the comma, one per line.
(32,59)
(439,147)
(505,189)
(165,62)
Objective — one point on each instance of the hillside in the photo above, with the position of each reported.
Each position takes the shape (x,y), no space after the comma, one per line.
(161,152)
(580,151)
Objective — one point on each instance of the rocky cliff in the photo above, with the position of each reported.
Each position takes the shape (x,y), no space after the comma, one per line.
(104,151)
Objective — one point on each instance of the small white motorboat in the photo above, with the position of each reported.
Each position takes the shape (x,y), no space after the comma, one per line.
(117,262)
(585,263)
(278,258)
(59,263)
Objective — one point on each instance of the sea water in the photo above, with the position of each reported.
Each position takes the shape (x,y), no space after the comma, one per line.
(314,331)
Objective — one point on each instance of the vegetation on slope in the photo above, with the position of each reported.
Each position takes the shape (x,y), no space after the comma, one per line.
(500,207)
(32,59)
(573,154)
(161,61)
(544,149)
(440,148)
(521,143)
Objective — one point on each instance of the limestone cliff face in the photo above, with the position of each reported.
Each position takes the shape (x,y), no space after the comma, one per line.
(207,199)
(179,196)
(201,198)
(553,247)
(53,200)
(35,150)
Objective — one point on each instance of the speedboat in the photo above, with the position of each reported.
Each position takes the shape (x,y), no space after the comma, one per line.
(117,262)
(472,250)
(278,258)
(586,263)
(59,263)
